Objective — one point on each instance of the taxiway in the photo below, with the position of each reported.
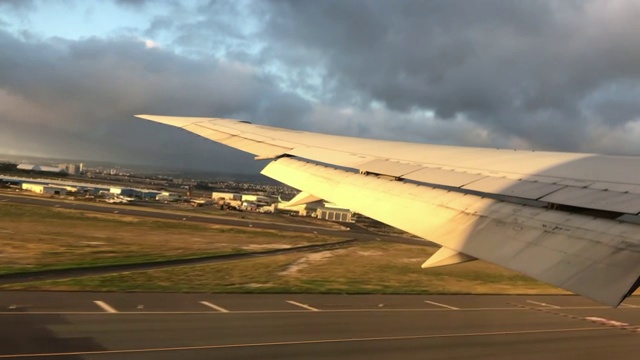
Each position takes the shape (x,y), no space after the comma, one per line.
(69,325)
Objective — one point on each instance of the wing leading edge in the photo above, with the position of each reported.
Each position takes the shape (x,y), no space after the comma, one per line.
(552,216)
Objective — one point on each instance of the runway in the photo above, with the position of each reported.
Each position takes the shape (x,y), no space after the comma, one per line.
(65,325)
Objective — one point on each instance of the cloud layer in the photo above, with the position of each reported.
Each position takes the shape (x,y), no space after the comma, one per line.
(545,75)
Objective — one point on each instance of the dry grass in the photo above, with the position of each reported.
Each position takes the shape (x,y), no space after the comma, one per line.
(367,268)
(35,237)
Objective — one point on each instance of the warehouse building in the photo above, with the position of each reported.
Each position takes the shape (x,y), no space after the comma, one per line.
(334,214)
(44,189)
(168,196)
(226,196)
(124,191)
(259,199)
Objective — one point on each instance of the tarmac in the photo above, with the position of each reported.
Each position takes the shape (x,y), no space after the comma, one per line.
(84,325)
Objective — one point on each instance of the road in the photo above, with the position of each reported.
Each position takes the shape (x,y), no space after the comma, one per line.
(59,325)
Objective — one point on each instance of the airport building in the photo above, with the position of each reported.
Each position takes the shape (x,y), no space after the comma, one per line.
(137,193)
(226,196)
(319,209)
(44,189)
(334,214)
(168,196)
(129,192)
(259,199)
(72,169)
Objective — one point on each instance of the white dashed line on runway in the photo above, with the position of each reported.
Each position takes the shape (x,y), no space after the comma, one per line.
(543,304)
(304,306)
(104,306)
(214,306)
(441,305)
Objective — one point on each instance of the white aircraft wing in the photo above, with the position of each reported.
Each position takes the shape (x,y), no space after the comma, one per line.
(570,220)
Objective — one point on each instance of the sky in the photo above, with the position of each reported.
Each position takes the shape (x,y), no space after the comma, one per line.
(544,75)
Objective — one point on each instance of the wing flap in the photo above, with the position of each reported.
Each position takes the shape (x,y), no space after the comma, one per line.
(596,199)
(518,188)
(390,168)
(443,177)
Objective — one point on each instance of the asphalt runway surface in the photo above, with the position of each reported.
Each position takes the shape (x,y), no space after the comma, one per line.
(69,325)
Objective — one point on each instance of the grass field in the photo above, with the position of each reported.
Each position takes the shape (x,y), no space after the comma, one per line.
(367,268)
(36,238)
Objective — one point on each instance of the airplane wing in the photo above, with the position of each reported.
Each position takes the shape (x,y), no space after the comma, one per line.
(571,220)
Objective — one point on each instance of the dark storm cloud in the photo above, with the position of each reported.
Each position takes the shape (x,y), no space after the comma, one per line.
(522,69)
(78,98)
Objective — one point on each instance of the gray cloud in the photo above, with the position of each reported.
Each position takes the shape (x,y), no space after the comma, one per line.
(78,97)
(522,69)
(539,74)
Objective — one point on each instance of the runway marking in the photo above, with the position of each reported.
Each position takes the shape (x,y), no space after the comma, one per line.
(302,305)
(289,311)
(106,307)
(304,342)
(543,304)
(606,321)
(441,305)
(614,323)
(213,306)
